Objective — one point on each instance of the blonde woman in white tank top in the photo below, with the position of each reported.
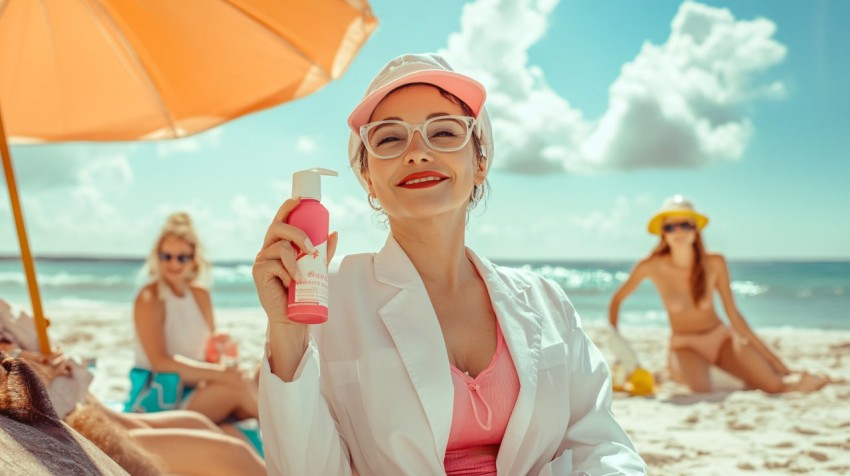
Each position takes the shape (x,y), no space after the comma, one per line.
(174,319)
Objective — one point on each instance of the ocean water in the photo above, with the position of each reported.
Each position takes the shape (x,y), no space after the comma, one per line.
(768,294)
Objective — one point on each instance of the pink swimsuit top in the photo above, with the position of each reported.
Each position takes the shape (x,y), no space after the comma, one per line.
(482,408)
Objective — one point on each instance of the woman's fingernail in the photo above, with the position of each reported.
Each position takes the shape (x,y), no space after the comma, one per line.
(308,244)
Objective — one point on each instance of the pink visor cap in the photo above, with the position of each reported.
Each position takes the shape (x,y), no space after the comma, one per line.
(428,68)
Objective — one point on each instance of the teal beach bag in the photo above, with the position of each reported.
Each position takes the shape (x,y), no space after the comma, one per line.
(153,391)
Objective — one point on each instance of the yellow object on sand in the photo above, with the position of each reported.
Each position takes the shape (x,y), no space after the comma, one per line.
(640,383)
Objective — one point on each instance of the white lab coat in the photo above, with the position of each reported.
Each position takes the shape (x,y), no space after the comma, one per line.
(373,393)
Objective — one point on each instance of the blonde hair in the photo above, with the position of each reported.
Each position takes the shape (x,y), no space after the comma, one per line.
(179,225)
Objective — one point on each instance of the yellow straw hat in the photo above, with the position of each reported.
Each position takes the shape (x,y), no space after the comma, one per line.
(679,206)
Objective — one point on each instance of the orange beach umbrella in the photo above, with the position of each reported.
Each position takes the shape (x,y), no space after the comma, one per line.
(114,70)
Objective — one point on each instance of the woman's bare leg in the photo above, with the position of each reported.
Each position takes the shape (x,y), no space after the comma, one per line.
(747,363)
(693,369)
(199,452)
(126,420)
(169,419)
(185,419)
(231,430)
(218,401)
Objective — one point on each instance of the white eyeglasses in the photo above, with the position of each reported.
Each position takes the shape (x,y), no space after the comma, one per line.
(389,139)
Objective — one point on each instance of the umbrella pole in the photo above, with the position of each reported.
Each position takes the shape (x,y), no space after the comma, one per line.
(26,257)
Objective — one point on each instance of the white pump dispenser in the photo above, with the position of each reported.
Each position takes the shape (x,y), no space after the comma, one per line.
(308,183)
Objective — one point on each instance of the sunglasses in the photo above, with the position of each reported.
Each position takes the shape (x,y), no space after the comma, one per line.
(181,258)
(685,226)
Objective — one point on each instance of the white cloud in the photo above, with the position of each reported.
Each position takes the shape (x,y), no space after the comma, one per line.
(83,220)
(607,222)
(349,210)
(112,172)
(41,168)
(305,145)
(681,103)
(536,130)
(68,199)
(232,232)
(602,228)
(282,188)
(360,228)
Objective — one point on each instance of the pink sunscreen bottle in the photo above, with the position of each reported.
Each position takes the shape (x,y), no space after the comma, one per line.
(308,292)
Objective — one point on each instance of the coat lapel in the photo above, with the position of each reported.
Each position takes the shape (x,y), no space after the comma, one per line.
(411,322)
(521,326)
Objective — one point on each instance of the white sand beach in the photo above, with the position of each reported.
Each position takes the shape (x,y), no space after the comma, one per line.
(678,433)
(744,432)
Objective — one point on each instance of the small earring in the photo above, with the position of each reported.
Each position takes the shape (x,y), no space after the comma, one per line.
(477,194)
(374,204)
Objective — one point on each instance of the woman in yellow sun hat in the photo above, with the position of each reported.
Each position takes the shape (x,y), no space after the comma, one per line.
(686,277)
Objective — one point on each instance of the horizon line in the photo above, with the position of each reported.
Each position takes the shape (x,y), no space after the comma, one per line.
(138,259)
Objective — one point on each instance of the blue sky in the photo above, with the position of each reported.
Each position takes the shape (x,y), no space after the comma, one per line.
(603,109)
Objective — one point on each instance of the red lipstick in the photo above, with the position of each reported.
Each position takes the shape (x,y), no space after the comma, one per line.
(422,180)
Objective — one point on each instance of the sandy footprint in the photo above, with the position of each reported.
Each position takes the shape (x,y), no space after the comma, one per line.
(805,431)
(817,455)
(658,459)
(784,444)
(739,426)
(844,445)
(777,464)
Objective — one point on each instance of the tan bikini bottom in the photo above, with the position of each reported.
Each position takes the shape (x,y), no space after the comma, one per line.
(706,344)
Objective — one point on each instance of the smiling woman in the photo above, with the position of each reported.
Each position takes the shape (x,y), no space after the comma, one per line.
(433,360)
(174,321)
